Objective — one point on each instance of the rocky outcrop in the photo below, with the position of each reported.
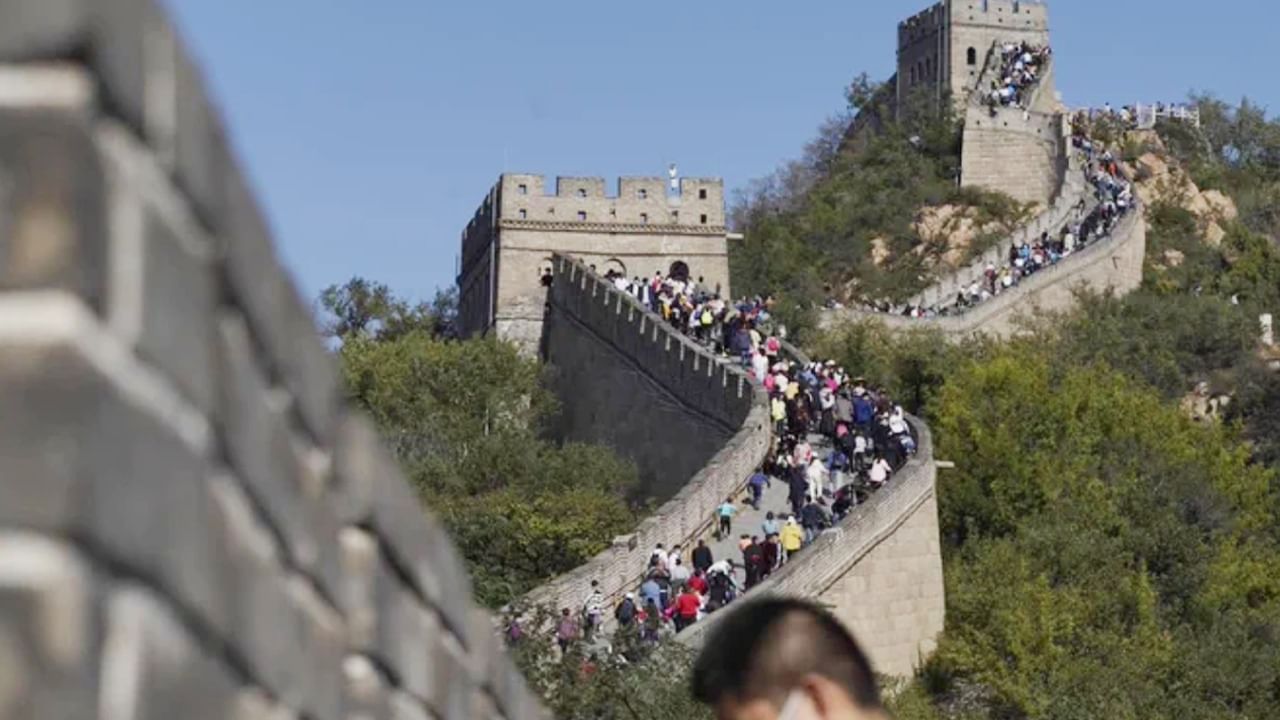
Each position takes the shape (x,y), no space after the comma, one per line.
(1160,179)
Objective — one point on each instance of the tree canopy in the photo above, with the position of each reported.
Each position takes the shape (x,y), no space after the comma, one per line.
(465,419)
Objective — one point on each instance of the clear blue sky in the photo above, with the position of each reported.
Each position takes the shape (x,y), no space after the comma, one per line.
(374,129)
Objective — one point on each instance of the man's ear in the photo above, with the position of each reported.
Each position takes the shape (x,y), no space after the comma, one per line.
(831,701)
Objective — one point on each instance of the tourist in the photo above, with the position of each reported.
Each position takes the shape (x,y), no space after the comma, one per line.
(686,609)
(625,613)
(593,608)
(726,512)
(702,557)
(567,631)
(787,659)
(792,538)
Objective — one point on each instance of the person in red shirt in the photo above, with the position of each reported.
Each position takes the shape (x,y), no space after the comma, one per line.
(686,608)
(697,583)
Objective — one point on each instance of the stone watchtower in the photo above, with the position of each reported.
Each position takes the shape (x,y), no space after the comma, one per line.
(642,229)
(942,50)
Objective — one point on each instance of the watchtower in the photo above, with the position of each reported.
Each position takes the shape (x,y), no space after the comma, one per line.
(942,50)
(646,226)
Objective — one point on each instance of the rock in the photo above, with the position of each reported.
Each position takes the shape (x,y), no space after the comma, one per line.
(1173,258)
(880,251)
(1221,206)
(1153,166)
(949,231)
(1213,234)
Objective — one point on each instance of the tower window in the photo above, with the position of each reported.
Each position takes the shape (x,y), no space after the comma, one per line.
(582,214)
(642,193)
(702,193)
(644,218)
(675,215)
(523,213)
(973,56)
(522,189)
(582,192)
(703,218)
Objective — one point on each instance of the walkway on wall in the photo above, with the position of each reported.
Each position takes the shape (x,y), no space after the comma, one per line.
(749,520)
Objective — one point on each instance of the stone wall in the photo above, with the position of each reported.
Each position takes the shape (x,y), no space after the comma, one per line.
(191,523)
(1114,263)
(1073,202)
(639,230)
(1020,154)
(696,427)
(879,571)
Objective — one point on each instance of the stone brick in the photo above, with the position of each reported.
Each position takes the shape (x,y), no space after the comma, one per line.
(261,614)
(152,667)
(454,601)
(483,707)
(406,707)
(118,39)
(178,309)
(260,447)
(254,704)
(452,697)
(52,206)
(407,634)
(359,458)
(42,29)
(366,689)
(411,539)
(320,641)
(281,322)
(47,629)
(202,156)
(83,457)
(362,574)
(483,649)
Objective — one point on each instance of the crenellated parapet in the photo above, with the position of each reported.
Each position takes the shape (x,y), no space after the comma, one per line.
(695,424)
(641,228)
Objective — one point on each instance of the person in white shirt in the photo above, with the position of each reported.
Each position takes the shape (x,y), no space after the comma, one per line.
(879,473)
(661,555)
(760,365)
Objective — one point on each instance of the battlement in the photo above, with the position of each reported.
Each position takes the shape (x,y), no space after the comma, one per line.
(1020,15)
(626,188)
(636,201)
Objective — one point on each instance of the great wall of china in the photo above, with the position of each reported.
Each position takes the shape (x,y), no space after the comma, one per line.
(192,521)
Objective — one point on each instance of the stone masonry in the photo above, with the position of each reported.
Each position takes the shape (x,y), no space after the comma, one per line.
(696,427)
(1114,264)
(640,230)
(879,571)
(191,523)
(942,50)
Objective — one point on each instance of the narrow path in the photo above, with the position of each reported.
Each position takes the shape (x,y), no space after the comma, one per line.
(750,521)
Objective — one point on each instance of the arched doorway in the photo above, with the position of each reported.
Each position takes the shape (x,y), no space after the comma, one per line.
(614,266)
(679,271)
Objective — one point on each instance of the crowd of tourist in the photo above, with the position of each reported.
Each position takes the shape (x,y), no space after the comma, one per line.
(1113,197)
(836,440)
(1021,66)
(697,310)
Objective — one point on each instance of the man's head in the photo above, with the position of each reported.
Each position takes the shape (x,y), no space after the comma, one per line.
(784,659)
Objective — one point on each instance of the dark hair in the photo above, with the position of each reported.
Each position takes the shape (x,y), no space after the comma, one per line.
(764,648)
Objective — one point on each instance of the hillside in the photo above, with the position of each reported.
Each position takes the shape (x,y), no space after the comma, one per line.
(1112,529)
(878,218)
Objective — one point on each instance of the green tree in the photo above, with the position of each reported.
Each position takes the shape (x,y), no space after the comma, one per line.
(466,420)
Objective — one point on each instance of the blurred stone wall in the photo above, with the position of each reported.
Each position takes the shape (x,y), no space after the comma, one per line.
(191,522)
